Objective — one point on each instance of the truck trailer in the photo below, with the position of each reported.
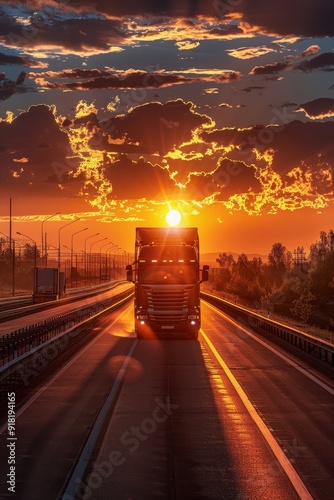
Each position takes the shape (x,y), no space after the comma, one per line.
(46,284)
(166,274)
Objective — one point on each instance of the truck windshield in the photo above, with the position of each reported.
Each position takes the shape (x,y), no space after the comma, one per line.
(178,273)
(167,264)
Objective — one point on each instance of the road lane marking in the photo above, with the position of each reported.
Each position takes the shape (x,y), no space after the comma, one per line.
(275,351)
(62,370)
(79,471)
(286,465)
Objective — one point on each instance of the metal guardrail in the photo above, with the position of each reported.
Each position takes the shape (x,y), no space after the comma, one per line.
(25,366)
(24,339)
(72,297)
(300,341)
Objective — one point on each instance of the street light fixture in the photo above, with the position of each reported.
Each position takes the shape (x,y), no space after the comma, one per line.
(44,220)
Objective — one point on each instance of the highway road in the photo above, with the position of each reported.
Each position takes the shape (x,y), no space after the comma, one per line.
(226,417)
(61,308)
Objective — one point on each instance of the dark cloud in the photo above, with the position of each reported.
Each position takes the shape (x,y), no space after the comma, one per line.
(125,80)
(324,62)
(307,146)
(228,76)
(251,88)
(81,36)
(138,179)
(32,150)
(71,73)
(20,60)
(300,17)
(318,108)
(34,153)
(229,178)
(268,69)
(153,127)
(310,51)
(10,87)
(188,8)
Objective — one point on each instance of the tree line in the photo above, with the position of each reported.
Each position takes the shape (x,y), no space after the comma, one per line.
(286,283)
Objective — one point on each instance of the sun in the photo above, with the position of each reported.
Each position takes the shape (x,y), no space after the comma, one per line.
(173,218)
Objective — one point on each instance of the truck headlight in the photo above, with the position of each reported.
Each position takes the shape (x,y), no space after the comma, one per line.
(142,316)
(193,316)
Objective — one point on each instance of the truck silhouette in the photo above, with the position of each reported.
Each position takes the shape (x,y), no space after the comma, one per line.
(167,278)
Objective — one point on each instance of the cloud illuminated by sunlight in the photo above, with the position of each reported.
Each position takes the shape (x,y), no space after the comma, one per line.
(187,45)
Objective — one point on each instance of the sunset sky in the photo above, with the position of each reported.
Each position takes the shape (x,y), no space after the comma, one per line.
(115,112)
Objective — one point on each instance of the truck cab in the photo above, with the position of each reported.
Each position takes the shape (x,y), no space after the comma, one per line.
(167,279)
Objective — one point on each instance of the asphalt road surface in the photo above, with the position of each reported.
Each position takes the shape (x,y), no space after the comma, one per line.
(225,417)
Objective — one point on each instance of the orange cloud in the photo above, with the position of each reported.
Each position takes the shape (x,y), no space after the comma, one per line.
(249,52)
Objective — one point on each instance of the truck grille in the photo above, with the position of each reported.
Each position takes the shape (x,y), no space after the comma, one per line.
(168,304)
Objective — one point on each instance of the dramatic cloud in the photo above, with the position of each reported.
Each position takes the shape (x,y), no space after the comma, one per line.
(152,128)
(268,69)
(138,179)
(252,88)
(187,45)
(82,35)
(318,108)
(229,76)
(116,80)
(300,17)
(249,52)
(9,87)
(159,146)
(31,149)
(20,60)
(283,147)
(324,62)
(310,51)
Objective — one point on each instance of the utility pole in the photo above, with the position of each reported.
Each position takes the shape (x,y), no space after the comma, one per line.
(12,247)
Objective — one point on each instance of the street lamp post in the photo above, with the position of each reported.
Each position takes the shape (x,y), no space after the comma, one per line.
(44,220)
(81,230)
(13,260)
(106,244)
(86,260)
(110,258)
(94,243)
(35,256)
(115,253)
(59,246)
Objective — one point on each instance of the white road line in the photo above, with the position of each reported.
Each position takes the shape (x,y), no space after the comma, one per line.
(275,351)
(296,481)
(63,369)
(84,458)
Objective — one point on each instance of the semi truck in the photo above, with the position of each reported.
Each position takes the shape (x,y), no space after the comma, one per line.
(166,274)
(46,285)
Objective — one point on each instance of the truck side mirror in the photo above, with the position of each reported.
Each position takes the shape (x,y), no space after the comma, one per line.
(129,273)
(205,273)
